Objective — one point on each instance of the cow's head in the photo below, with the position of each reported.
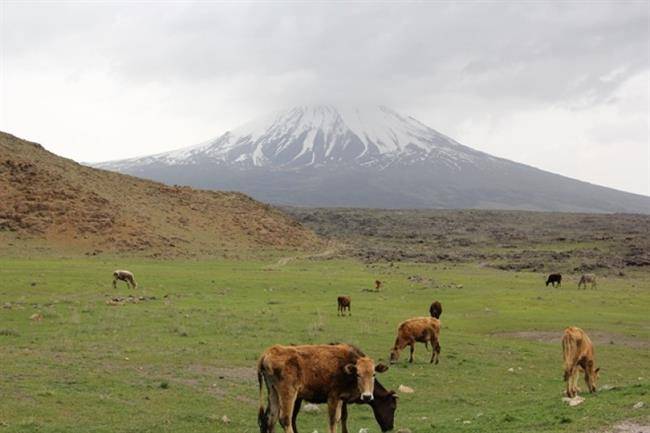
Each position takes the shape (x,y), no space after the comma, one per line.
(364,370)
(384,406)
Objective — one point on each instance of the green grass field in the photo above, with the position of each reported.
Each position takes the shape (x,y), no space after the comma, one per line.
(184,360)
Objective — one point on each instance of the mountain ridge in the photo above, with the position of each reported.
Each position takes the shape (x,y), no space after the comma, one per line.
(368,157)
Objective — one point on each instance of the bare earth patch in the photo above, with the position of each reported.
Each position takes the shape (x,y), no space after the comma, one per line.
(599,338)
(628,427)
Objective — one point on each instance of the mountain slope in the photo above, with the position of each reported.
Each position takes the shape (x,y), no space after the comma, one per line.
(53,200)
(370,157)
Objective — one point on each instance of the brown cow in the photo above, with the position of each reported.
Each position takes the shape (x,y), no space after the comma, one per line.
(587,278)
(419,329)
(125,276)
(334,373)
(378,285)
(435,309)
(578,355)
(344,302)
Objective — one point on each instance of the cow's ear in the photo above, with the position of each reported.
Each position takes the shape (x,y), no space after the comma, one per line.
(598,369)
(380,368)
(350,369)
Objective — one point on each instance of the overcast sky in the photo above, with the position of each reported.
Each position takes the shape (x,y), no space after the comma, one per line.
(561,86)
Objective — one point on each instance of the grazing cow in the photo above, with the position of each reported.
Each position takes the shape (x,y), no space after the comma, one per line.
(384,405)
(578,355)
(334,374)
(344,303)
(125,276)
(587,278)
(378,285)
(554,279)
(435,309)
(419,329)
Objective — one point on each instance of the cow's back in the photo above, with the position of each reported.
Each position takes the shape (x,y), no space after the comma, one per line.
(419,327)
(583,344)
(313,370)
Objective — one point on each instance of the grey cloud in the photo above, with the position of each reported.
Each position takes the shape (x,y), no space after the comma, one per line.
(441,62)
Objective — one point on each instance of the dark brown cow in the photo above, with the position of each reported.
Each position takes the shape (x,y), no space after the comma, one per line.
(554,279)
(578,353)
(384,405)
(378,285)
(126,276)
(435,309)
(344,303)
(334,374)
(419,329)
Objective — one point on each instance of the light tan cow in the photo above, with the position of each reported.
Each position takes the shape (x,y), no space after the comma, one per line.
(587,278)
(332,374)
(578,353)
(125,276)
(418,329)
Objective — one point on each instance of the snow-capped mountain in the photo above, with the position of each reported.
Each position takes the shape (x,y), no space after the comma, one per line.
(373,157)
(320,135)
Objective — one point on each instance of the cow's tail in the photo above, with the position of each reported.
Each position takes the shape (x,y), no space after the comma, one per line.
(569,349)
(261,414)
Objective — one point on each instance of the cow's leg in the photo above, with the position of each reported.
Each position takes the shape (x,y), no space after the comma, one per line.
(435,349)
(334,412)
(115,282)
(572,385)
(287,402)
(574,380)
(412,347)
(271,413)
(349,310)
(568,378)
(296,410)
(344,418)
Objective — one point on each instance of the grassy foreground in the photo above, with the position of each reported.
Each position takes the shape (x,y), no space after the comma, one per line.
(185,360)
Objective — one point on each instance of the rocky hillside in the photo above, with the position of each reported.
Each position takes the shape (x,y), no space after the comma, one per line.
(53,201)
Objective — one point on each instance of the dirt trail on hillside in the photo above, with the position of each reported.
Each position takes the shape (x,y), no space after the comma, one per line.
(329,252)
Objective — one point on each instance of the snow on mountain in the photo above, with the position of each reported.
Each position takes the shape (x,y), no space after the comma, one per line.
(319,135)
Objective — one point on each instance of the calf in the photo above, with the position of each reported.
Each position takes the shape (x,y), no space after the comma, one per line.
(554,279)
(334,374)
(419,329)
(125,276)
(578,355)
(435,309)
(587,278)
(344,303)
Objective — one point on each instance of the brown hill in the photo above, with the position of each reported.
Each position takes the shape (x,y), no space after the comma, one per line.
(46,199)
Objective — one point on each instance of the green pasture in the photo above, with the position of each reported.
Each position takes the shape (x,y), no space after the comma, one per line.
(185,360)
